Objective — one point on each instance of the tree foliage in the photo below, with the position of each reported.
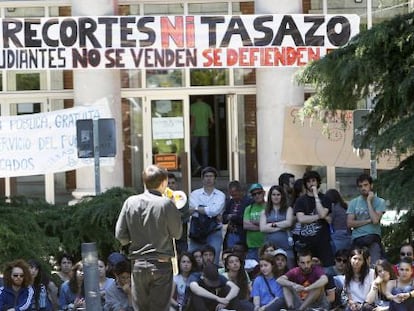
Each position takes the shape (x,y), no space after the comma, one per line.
(36,229)
(378,64)
(22,235)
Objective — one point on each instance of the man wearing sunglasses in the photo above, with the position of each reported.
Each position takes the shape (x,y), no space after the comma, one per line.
(17,293)
(406,250)
(251,221)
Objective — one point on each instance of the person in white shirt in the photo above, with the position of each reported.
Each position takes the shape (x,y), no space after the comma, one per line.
(358,278)
(206,208)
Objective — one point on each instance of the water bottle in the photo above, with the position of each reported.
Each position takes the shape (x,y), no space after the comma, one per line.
(42,297)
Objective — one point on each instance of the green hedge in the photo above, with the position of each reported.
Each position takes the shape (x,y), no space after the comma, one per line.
(36,229)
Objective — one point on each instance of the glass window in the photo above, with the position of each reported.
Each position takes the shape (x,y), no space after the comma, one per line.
(57,104)
(27,108)
(60,11)
(24,12)
(57,80)
(124,10)
(381,10)
(208,8)
(247,137)
(346,181)
(243,7)
(133,141)
(131,78)
(164,9)
(205,77)
(27,81)
(164,78)
(245,76)
(161,112)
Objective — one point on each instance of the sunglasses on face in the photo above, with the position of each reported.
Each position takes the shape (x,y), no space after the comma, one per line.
(18,276)
(256,193)
(343,260)
(409,254)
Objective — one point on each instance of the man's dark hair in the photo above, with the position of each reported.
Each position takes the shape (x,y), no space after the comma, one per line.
(122,267)
(67,256)
(363,177)
(305,252)
(153,176)
(284,178)
(234,184)
(311,175)
(342,253)
(240,246)
(7,273)
(196,250)
(209,169)
(171,176)
(208,248)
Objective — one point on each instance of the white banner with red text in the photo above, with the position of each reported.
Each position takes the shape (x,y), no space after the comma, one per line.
(162,42)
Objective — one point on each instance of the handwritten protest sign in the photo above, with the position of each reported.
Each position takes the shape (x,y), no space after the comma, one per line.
(43,143)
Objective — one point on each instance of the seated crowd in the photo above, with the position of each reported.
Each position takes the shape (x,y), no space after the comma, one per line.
(294,250)
(353,283)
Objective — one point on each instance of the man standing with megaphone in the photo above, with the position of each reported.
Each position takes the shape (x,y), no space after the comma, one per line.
(149,222)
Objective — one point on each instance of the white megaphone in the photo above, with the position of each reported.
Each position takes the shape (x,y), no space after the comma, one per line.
(178,197)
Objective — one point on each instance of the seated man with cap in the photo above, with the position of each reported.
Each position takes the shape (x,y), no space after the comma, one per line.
(211,291)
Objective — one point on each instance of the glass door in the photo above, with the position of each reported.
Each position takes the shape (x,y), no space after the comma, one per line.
(166,141)
(242,138)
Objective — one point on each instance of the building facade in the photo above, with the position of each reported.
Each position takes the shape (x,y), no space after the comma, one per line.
(247,139)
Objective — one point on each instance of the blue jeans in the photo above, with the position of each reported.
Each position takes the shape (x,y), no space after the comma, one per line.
(341,239)
(214,239)
(203,142)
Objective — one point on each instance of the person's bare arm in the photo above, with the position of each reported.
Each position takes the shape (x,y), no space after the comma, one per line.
(375,216)
(353,223)
(200,291)
(321,282)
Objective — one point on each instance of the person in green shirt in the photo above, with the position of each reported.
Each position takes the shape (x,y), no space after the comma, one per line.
(251,221)
(201,121)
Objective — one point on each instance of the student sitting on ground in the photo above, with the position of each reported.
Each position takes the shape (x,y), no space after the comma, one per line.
(304,286)
(211,291)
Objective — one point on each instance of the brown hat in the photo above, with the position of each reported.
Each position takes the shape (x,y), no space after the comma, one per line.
(210,275)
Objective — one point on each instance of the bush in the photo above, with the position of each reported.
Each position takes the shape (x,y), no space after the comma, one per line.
(395,235)
(36,229)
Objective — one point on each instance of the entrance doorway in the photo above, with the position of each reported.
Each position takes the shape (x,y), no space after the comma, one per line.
(166,139)
(217,133)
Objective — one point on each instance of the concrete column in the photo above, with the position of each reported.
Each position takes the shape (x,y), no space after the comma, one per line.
(275,91)
(90,86)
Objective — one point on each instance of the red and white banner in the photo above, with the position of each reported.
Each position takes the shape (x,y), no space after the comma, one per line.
(160,42)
